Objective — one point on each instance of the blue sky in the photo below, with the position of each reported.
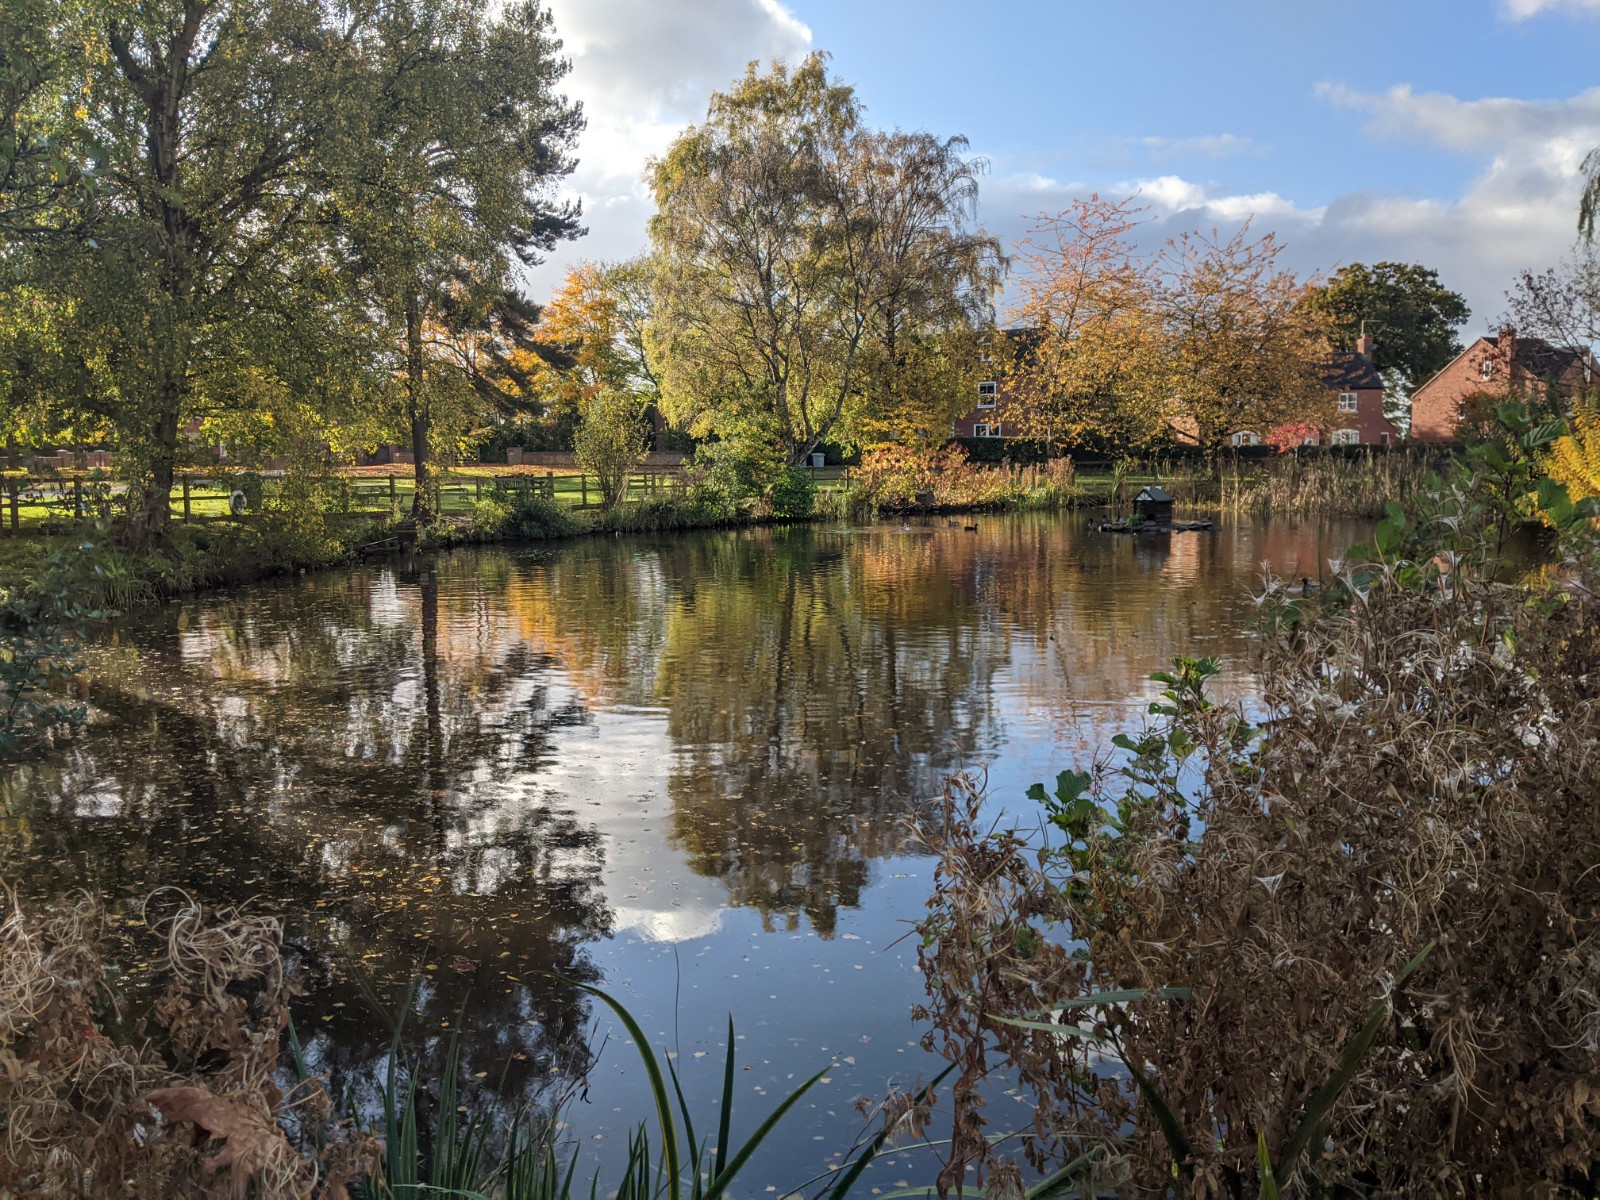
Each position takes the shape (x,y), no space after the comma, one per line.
(1442,131)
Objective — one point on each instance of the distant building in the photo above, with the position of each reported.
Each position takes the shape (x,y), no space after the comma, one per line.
(1357,393)
(1493,369)
(995,413)
(1358,399)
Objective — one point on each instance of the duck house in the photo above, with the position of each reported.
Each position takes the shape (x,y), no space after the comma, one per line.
(1153,505)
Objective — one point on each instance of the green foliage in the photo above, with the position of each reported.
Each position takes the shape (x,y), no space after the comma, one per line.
(793,494)
(610,441)
(803,263)
(526,514)
(739,468)
(1409,314)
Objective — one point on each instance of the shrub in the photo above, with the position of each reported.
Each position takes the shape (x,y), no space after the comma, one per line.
(610,442)
(490,518)
(793,494)
(530,515)
(1354,949)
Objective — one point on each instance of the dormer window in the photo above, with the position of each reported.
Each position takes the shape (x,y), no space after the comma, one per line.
(1347,402)
(986,394)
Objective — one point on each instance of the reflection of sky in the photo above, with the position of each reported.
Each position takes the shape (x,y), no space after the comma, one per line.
(613,776)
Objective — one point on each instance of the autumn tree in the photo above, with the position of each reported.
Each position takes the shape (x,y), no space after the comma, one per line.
(1409,314)
(580,334)
(1089,298)
(1240,347)
(447,182)
(795,252)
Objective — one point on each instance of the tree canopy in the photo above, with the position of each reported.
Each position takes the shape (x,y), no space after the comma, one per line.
(1409,314)
(802,259)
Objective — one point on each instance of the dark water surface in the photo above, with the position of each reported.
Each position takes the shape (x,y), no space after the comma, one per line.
(680,767)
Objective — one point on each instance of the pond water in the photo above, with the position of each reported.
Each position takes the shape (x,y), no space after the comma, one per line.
(680,767)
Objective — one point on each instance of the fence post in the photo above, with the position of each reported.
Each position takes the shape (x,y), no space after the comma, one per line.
(16,518)
(550,485)
(186,499)
(583,490)
(77,498)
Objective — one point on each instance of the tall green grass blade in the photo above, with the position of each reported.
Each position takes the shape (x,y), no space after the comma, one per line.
(688,1129)
(1059,1183)
(1177,1140)
(1269,1180)
(658,1089)
(1324,1098)
(719,1152)
(753,1143)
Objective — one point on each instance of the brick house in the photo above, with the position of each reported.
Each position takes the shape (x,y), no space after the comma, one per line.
(1358,395)
(1491,369)
(995,413)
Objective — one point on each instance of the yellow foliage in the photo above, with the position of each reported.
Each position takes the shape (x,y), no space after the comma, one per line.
(1575,458)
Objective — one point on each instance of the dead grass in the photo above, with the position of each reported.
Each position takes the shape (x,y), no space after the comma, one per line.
(179,1101)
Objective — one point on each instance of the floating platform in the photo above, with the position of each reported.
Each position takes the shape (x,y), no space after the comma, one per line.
(1157,526)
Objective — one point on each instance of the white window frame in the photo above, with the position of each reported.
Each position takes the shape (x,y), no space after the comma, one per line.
(986,399)
(1348,402)
(1246,437)
(1311,439)
(979,431)
(1347,437)
(1486,369)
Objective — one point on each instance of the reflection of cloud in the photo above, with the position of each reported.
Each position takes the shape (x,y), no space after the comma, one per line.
(613,777)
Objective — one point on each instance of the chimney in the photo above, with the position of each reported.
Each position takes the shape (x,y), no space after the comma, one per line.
(1506,347)
(1365,346)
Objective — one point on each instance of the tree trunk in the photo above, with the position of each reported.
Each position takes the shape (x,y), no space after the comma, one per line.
(422,514)
(150,513)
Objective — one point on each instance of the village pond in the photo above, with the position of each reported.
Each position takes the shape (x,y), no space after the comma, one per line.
(683,768)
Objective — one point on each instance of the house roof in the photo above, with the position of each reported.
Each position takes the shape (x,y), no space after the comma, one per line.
(1349,371)
(1538,357)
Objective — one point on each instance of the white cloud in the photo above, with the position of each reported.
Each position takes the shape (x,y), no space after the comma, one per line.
(1521,10)
(1519,211)
(644,70)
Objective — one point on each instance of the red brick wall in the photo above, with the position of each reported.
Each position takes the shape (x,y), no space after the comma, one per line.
(1007,413)
(1368,420)
(1436,405)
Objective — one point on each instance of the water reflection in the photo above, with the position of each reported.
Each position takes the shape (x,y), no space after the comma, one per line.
(503,763)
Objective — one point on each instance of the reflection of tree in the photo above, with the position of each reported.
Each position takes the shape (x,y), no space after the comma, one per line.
(360,764)
(365,752)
